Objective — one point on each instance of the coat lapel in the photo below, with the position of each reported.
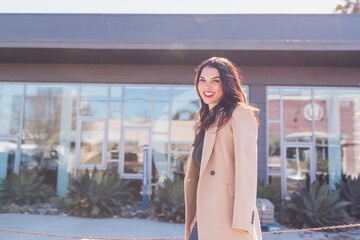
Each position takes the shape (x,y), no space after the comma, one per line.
(209,141)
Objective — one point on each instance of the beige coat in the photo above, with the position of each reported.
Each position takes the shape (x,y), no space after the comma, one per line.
(223,192)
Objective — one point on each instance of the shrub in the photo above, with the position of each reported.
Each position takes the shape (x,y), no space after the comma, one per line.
(350,191)
(169,201)
(315,207)
(269,192)
(25,188)
(100,195)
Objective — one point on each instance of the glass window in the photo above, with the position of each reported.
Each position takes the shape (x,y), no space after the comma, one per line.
(135,141)
(115,97)
(160,156)
(48,141)
(274,160)
(337,133)
(161,110)
(177,164)
(137,106)
(7,157)
(275,181)
(10,108)
(297,167)
(114,133)
(273,99)
(92,140)
(113,167)
(94,101)
(246,91)
(297,123)
(185,104)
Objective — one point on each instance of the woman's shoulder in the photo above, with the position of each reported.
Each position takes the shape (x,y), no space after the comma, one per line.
(242,109)
(243,113)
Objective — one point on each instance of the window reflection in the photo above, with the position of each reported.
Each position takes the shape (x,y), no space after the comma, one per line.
(296,122)
(114,133)
(185,104)
(335,113)
(297,167)
(177,164)
(273,98)
(161,109)
(50,128)
(274,160)
(160,156)
(94,101)
(115,97)
(48,137)
(137,106)
(92,138)
(7,157)
(337,133)
(275,181)
(134,141)
(10,108)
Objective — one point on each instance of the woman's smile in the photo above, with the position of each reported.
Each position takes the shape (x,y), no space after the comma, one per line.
(208,94)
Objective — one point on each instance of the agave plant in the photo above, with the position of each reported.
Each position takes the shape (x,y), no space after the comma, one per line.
(315,207)
(169,201)
(100,195)
(350,191)
(27,187)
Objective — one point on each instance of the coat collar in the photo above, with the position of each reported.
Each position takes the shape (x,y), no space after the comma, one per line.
(209,140)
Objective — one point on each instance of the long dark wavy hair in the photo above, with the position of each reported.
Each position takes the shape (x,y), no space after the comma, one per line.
(233,96)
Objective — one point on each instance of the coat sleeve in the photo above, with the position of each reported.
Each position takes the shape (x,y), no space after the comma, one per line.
(245,133)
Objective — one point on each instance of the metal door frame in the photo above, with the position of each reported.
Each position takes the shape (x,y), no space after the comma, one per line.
(122,155)
(283,163)
(101,166)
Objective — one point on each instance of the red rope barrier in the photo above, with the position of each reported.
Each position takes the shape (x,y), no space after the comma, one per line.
(173,238)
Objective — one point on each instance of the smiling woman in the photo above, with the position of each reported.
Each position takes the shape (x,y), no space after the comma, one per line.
(224,157)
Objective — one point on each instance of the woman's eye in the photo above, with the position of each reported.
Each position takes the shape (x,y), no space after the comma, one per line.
(202,80)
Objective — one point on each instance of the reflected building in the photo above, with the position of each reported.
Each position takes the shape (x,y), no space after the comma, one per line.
(98,91)
(313,133)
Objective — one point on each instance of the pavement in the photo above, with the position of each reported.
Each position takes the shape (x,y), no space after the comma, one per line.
(123,228)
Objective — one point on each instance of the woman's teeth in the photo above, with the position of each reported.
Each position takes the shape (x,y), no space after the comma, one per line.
(208,94)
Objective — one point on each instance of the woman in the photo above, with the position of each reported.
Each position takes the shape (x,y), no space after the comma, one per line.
(221,177)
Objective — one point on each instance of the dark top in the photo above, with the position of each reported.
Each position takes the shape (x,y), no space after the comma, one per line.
(197,153)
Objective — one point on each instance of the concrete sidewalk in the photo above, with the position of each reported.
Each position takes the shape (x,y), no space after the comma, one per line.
(117,228)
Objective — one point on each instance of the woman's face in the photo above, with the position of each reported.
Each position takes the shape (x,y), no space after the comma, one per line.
(210,86)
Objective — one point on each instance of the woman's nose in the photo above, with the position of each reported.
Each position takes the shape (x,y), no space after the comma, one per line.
(207,85)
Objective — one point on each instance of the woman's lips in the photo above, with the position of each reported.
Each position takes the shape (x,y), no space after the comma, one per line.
(208,94)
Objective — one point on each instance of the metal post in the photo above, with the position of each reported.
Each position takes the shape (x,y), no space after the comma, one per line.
(145,177)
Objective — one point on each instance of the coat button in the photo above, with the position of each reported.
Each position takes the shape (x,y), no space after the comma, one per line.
(212,172)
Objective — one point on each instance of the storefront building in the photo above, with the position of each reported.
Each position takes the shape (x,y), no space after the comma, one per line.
(79,91)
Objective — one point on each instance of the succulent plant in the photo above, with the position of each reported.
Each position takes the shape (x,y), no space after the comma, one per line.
(25,188)
(350,191)
(169,201)
(100,195)
(315,207)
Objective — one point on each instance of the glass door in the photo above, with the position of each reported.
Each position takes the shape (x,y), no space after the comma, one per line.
(91,144)
(135,142)
(298,167)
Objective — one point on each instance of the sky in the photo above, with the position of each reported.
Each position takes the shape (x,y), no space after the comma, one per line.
(169,6)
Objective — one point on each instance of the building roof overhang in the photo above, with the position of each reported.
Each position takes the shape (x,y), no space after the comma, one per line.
(248,39)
